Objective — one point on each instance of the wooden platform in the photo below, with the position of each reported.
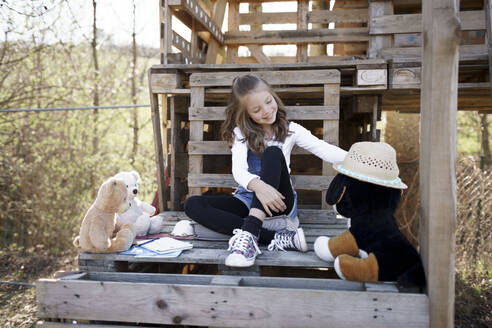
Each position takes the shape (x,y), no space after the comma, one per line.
(111,300)
(214,250)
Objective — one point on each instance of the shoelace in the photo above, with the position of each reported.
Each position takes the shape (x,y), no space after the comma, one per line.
(281,241)
(241,240)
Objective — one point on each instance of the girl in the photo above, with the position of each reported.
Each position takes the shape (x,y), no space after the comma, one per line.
(262,140)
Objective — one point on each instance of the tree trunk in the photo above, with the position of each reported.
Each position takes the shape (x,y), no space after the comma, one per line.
(95,138)
(134,90)
(484,129)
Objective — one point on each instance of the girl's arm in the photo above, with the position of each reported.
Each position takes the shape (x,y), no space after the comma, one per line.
(320,148)
(240,161)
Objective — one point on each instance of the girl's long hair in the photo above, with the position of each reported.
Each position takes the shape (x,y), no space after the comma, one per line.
(237,115)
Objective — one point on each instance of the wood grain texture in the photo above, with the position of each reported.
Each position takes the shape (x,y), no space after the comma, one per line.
(272,77)
(194,303)
(441,32)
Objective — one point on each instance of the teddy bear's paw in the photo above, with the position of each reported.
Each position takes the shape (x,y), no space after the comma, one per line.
(322,250)
(355,269)
(142,225)
(155,225)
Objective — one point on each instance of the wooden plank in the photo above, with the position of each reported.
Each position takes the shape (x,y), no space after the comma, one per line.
(408,40)
(315,16)
(217,256)
(222,148)
(179,161)
(438,156)
(160,82)
(466,52)
(367,77)
(272,77)
(258,54)
(488,20)
(196,134)
(306,182)
(412,23)
(339,16)
(158,68)
(305,216)
(212,305)
(49,324)
(232,26)
(302,24)
(331,97)
(293,113)
(297,36)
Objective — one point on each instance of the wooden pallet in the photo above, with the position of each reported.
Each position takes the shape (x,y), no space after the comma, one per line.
(212,251)
(111,300)
(198,94)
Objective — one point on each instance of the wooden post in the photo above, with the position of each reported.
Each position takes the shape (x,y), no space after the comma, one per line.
(196,134)
(441,37)
(488,24)
(166,30)
(302,24)
(330,130)
(159,154)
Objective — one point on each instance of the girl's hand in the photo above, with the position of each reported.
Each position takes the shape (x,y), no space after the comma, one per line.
(269,197)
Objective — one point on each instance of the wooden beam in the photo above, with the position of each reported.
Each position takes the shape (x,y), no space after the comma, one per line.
(196,134)
(159,153)
(232,26)
(222,148)
(305,182)
(258,54)
(488,22)
(298,36)
(302,24)
(293,113)
(218,19)
(272,77)
(412,23)
(441,35)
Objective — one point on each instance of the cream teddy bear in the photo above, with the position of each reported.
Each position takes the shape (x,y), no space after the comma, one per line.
(100,231)
(139,212)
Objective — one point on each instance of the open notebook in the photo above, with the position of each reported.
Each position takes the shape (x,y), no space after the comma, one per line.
(166,245)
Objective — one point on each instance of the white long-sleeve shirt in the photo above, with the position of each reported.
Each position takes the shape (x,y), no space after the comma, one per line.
(299,135)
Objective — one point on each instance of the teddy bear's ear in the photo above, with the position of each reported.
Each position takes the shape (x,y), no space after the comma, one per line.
(336,189)
(136,175)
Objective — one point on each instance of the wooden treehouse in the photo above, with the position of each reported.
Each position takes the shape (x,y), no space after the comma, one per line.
(351,62)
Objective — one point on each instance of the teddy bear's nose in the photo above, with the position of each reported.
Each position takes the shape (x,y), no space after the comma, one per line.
(135,191)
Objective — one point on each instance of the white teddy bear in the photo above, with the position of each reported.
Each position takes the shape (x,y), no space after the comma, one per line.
(139,212)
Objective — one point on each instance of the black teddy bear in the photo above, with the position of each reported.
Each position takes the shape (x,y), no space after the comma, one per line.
(367,190)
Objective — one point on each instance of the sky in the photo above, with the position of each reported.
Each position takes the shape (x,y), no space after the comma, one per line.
(71,20)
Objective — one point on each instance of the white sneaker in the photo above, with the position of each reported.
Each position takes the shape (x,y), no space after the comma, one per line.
(280,223)
(244,249)
(289,240)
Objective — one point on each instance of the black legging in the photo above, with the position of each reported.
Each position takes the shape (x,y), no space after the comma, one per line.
(224,213)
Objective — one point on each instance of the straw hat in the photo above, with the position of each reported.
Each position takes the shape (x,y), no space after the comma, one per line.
(373,162)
